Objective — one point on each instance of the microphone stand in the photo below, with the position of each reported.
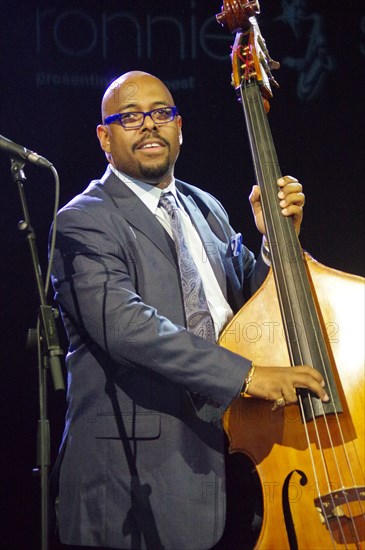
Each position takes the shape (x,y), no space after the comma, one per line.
(49,353)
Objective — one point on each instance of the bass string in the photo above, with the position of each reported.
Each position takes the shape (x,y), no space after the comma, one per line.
(350,469)
(259,132)
(330,483)
(277,226)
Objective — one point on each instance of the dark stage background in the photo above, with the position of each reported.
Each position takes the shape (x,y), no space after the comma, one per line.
(56,60)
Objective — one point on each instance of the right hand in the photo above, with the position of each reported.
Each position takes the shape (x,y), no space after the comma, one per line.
(273,383)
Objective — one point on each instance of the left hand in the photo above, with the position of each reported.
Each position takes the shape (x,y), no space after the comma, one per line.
(291,200)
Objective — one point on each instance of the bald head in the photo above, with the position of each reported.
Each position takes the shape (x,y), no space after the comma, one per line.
(147,152)
(124,90)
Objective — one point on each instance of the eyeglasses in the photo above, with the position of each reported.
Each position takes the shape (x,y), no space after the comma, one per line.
(136,119)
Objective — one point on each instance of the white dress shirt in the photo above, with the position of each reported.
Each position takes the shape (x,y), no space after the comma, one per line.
(150,196)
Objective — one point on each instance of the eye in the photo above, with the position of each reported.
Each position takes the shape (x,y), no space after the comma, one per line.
(163,113)
(130,117)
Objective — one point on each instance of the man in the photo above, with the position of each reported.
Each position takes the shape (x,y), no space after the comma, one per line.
(142,459)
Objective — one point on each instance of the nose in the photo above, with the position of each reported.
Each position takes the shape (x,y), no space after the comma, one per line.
(148,122)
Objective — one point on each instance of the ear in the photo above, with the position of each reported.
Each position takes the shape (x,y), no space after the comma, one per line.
(179,123)
(103,137)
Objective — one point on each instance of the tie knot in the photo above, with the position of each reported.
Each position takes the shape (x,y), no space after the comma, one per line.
(167,201)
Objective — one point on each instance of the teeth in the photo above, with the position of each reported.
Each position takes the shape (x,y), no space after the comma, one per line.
(149,145)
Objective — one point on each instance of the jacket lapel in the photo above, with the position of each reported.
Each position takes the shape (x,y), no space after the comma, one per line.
(141,218)
(138,215)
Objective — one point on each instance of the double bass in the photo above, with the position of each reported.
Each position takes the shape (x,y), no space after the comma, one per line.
(310,456)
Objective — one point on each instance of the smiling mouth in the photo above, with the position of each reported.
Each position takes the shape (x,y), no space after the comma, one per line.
(153,145)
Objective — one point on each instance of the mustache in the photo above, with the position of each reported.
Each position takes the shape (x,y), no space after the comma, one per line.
(151,136)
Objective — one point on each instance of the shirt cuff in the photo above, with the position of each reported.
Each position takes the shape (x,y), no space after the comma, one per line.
(265,252)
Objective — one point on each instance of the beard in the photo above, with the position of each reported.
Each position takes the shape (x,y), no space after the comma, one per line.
(153,174)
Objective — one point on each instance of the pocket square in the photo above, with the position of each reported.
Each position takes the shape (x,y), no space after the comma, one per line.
(236,244)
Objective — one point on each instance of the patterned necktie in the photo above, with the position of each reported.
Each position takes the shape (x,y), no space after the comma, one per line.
(198,317)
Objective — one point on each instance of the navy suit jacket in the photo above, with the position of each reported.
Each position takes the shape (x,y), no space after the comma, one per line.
(141,464)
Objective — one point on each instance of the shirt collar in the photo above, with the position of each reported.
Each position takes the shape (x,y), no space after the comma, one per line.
(149,194)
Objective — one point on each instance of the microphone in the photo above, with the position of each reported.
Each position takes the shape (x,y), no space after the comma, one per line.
(13,149)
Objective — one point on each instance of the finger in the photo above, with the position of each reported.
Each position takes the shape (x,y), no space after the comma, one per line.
(305,369)
(284,180)
(291,188)
(255,194)
(290,395)
(304,377)
(293,210)
(308,382)
(297,198)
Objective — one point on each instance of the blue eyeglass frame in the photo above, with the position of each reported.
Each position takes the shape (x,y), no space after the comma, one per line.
(118,116)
